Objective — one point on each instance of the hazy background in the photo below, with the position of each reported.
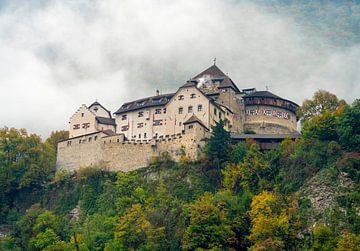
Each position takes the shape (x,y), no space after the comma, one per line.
(56,55)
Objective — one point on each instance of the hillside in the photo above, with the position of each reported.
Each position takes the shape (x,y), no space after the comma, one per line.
(303,195)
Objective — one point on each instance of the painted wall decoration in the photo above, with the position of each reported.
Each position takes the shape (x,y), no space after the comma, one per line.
(268,112)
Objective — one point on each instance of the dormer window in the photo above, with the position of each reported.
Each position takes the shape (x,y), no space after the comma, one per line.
(181,97)
(193,95)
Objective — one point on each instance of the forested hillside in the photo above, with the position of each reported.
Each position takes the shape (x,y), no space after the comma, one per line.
(303,195)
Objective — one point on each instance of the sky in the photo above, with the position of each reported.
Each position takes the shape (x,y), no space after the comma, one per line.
(56,55)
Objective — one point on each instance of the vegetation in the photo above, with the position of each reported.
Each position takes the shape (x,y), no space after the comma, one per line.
(236,197)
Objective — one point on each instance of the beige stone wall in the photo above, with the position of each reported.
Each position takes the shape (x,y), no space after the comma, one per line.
(142,127)
(99,111)
(269,119)
(82,122)
(185,98)
(119,154)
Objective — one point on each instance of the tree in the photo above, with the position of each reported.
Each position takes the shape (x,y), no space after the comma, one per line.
(248,173)
(348,241)
(217,148)
(270,220)
(322,101)
(134,231)
(349,127)
(209,227)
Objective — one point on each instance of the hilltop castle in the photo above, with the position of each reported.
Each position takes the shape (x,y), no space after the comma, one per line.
(147,127)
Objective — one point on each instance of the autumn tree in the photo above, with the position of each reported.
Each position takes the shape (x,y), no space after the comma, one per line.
(270,221)
(322,101)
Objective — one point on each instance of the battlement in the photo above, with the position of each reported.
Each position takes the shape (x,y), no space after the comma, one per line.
(119,154)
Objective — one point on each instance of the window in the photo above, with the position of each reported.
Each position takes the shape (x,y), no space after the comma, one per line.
(124,128)
(82,114)
(95,138)
(199,108)
(76,126)
(180,123)
(181,110)
(219,115)
(139,136)
(215,111)
(157,122)
(190,109)
(193,95)
(157,111)
(181,97)
(164,111)
(124,117)
(96,109)
(90,139)
(80,141)
(85,125)
(140,125)
(144,135)
(190,126)
(141,114)
(69,143)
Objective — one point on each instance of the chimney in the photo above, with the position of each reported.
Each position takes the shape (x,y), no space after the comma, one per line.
(157,92)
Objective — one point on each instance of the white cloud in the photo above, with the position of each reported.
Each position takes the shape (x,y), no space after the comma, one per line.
(56,55)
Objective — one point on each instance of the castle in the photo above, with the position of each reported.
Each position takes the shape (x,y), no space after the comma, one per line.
(175,123)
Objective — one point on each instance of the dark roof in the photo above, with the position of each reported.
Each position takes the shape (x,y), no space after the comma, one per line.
(228,83)
(105,121)
(267,94)
(216,75)
(97,103)
(212,71)
(262,94)
(194,119)
(145,102)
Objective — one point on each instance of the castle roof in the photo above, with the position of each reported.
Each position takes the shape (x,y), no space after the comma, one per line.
(157,100)
(105,121)
(267,94)
(213,71)
(195,119)
(97,103)
(263,94)
(215,75)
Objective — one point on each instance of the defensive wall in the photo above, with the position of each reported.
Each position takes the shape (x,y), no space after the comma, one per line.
(117,153)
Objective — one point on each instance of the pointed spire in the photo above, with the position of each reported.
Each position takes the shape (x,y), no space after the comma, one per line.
(214,60)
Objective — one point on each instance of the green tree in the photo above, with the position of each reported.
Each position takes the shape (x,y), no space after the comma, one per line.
(217,149)
(349,127)
(322,101)
(209,227)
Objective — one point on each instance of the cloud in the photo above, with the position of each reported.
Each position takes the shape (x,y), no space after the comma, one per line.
(56,55)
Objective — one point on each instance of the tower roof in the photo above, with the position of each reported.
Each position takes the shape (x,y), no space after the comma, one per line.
(97,103)
(213,71)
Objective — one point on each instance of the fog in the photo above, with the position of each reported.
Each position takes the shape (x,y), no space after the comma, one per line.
(57,55)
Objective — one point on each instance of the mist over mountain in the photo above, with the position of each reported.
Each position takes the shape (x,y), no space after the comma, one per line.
(56,55)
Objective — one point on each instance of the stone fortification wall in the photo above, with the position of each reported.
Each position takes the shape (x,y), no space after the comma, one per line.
(118,154)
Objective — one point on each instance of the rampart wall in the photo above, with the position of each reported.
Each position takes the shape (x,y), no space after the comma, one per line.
(119,154)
